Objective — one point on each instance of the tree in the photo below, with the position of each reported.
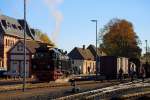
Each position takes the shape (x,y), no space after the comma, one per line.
(120,39)
(44,37)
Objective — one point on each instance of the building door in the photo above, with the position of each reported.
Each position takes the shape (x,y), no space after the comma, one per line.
(14,67)
(27,68)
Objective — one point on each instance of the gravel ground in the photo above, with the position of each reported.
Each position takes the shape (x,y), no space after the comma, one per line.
(50,92)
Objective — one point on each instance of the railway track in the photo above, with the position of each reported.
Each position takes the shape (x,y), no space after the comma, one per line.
(110,92)
(50,93)
(92,89)
(14,87)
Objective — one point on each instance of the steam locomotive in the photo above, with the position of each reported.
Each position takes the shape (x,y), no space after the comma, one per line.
(49,63)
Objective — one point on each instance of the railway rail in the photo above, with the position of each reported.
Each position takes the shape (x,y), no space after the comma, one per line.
(110,92)
(50,93)
(14,87)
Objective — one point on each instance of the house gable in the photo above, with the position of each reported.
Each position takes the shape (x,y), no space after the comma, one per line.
(100,52)
(81,54)
(18,48)
(75,54)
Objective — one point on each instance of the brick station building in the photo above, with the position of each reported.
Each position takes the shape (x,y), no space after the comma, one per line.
(12,30)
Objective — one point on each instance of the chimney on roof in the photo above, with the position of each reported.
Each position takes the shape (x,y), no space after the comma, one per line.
(83,47)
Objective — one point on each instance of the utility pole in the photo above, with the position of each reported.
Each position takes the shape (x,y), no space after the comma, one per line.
(96,48)
(24,71)
(146,51)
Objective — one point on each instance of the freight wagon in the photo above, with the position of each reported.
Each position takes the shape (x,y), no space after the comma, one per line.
(110,66)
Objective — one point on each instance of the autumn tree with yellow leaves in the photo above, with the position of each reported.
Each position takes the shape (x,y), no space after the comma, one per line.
(120,39)
(44,37)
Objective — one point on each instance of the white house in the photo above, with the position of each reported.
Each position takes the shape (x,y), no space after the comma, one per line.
(82,61)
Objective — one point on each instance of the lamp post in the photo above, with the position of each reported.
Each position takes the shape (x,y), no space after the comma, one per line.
(146,51)
(24,71)
(95,21)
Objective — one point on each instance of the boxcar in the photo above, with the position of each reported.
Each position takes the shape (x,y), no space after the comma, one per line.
(110,66)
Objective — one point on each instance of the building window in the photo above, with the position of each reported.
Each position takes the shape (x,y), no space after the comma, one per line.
(14,62)
(6,42)
(88,69)
(12,42)
(14,26)
(86,64)
(20,47)
(20,28)
(90,64)
(4,23)
(9,42)
(8,24)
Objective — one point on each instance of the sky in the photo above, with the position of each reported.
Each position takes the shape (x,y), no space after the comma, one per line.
(67,22)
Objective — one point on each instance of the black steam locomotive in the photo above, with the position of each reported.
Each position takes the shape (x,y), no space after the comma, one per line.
(49,63)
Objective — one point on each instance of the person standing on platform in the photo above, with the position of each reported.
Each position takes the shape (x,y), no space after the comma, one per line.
(143,74)
(120,74)
(132,72)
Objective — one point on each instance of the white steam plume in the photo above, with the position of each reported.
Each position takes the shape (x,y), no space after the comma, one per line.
(28,1)
(53,6)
